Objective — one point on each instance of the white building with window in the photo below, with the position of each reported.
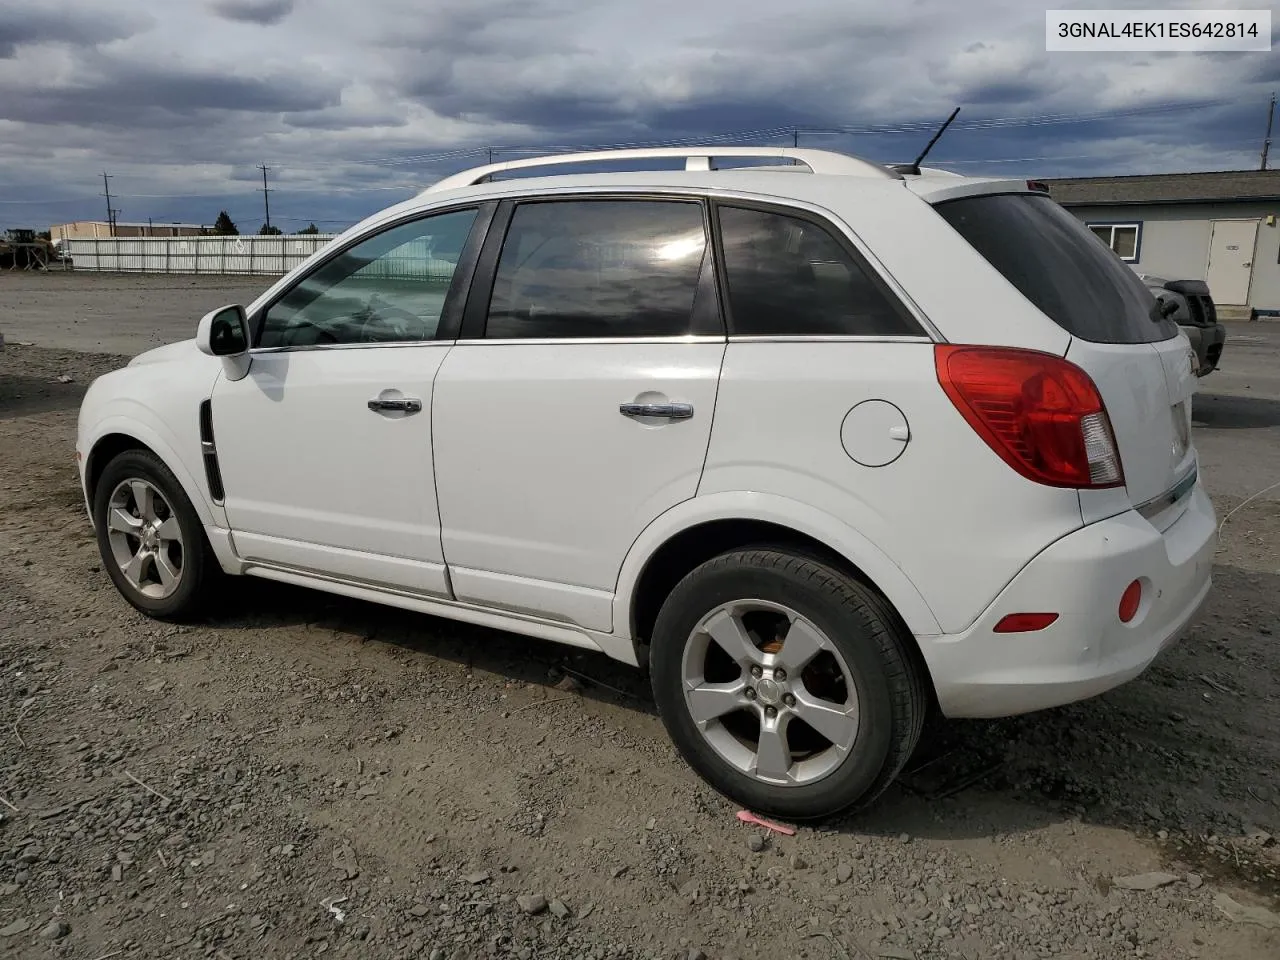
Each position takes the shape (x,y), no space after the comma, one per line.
(1216,227)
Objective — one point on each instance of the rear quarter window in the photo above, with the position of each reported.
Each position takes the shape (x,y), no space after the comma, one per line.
(788,276)
(1060,266)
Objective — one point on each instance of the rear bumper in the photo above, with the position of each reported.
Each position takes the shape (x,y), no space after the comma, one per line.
(1207,343)
(980,673)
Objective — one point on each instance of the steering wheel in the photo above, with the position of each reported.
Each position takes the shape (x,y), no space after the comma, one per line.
(384,322)
(321,334)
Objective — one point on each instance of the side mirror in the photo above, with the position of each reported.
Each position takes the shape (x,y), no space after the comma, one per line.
(225,333)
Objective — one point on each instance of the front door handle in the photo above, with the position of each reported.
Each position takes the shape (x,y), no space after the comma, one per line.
(403,405)
(665,411)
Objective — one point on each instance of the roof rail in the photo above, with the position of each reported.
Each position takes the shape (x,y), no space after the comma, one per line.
(696,158)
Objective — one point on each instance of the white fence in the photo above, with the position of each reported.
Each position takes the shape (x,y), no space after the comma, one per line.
(218,255)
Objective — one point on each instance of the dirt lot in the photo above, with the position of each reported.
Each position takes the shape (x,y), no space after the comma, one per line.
(306,775)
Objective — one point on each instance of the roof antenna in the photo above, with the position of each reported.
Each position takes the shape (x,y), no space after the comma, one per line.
(914,167)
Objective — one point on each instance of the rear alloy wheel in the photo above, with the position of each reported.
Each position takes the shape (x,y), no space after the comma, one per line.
(785,684)
(150,537)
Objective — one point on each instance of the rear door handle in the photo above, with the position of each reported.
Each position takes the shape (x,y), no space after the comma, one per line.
(404,405)
(665,411)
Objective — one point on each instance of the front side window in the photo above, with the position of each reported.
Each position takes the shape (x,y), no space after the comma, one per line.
(598,268)
(386,289)
(788,276)
(1120,237)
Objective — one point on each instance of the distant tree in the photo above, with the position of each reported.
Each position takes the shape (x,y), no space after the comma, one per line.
(310,228)
(45,235)
(265,231)
(224,227)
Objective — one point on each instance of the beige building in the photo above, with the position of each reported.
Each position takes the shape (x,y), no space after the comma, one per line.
(98,229)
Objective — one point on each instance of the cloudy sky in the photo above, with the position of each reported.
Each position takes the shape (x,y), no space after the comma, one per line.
(180,100)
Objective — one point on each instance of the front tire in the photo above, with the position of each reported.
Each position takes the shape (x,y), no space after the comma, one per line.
(785,684)
(151,540)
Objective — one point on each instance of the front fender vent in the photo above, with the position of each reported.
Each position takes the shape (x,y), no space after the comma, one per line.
(209,452)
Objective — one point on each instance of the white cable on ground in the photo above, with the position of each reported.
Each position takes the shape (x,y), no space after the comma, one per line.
(1245,504)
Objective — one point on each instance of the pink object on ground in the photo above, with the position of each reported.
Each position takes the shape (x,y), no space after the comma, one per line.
(747,816)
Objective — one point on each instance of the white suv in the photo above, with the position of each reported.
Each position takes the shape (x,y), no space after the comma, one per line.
(824,444)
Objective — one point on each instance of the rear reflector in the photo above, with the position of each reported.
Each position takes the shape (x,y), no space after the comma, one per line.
(1043,415)
(1038,185)
(1130,601)
(1024,622)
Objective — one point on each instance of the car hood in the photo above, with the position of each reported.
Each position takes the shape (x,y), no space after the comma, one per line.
(182,350)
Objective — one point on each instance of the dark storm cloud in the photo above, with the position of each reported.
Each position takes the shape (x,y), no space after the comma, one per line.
(486,27)
(340,119)
(33,24)
(264,12)
(1006,93)
(147,95)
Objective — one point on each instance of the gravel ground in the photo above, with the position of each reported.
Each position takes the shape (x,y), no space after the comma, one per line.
(304,775)
(122,313)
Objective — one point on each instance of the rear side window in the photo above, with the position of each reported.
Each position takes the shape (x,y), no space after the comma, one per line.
(598,268)
(1058,264)
(788,276)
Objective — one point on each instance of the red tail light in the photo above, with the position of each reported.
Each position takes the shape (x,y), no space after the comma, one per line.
(1042,415)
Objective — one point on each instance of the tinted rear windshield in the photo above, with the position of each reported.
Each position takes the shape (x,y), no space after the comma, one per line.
(1060,266)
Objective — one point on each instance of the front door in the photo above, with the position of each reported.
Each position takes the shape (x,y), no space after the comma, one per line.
(325,446)
(1231,261)
(577,406)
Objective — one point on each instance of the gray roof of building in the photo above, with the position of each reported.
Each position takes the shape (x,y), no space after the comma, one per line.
(1168,188)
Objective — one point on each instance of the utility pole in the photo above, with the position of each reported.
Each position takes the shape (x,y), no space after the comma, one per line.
(795,137)
(266,204)
(1266,143)
(106,190)
(150,229)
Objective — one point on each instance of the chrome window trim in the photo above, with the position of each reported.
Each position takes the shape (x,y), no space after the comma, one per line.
(564,341)
(1157,505)
(836,338)
(296,348)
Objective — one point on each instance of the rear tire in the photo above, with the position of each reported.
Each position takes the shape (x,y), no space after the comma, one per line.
(151,540)
(722,669)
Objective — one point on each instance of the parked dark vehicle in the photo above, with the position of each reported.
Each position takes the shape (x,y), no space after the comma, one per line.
(1188,303)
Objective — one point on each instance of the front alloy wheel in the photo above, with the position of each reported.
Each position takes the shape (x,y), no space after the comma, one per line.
(145,538)
(150,537)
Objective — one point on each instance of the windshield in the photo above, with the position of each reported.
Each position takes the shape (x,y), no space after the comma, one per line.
(1060,266)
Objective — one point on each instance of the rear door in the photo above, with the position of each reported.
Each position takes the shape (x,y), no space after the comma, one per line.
(577,405)
(1139,361)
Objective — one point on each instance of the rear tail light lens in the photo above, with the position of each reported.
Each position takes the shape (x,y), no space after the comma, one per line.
(1040,413)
